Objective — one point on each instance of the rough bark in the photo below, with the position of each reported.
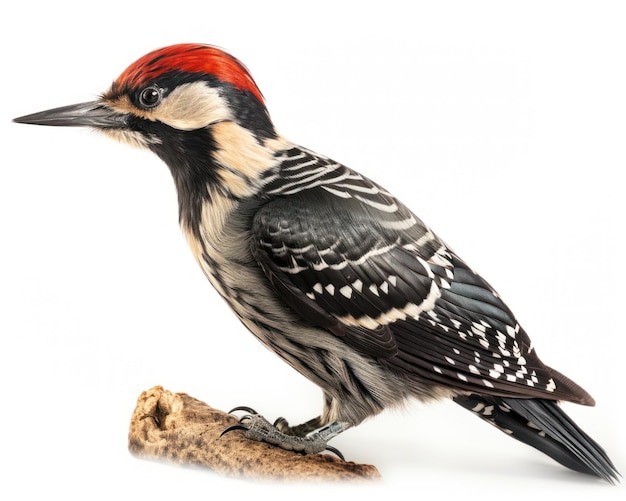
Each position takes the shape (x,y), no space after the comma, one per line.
(182,429)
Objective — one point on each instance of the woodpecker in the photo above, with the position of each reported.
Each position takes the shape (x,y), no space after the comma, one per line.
(327,268)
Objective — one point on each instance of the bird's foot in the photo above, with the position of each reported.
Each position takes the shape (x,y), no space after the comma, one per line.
(280,434)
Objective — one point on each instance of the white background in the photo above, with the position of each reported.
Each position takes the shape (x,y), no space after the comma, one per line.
(501,124)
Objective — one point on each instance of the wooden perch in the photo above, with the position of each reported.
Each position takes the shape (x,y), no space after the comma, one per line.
(181,429)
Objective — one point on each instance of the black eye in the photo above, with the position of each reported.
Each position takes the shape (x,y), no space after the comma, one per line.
(150,97)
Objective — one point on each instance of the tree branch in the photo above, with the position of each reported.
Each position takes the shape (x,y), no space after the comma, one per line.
(181,429)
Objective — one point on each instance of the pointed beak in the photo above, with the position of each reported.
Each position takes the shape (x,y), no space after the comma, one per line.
(92,114)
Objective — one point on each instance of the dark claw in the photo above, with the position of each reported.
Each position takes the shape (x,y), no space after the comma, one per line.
(233,428)
(334,451)
(243,408)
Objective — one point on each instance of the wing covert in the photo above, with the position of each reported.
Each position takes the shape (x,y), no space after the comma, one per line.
(348,257)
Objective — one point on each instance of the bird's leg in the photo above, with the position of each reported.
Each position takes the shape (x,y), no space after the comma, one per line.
(297,438)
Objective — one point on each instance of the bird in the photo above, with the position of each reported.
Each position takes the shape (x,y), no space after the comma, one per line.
(328,269)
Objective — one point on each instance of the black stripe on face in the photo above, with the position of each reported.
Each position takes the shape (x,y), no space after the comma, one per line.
(188,154)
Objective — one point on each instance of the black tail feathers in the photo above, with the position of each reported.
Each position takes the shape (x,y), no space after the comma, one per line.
(543,425)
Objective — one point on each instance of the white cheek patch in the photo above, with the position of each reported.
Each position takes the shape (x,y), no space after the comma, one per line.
(131,137)
(192,106)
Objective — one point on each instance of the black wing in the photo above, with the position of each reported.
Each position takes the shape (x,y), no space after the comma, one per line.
(348,257)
